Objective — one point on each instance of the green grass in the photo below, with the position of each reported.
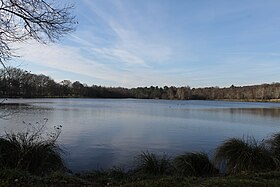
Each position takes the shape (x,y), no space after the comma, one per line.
(114,176)
(13,178)
(266,179)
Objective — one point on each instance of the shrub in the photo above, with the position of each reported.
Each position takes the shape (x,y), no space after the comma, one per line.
(150,163)
(239,155)
(31,150)
(194,164)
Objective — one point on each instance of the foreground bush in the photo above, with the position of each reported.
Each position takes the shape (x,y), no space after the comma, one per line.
(150,163)
(31,151)
(194,164)
(238,155)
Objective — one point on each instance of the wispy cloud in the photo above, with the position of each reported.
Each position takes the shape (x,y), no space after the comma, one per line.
(128,39)
(67,58)
(121,55)
(62,57)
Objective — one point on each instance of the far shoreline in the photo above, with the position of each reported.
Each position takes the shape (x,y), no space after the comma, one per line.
(227,100)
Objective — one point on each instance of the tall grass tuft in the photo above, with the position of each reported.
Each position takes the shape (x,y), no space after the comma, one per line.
(194,164)
(32,151)
(149,163)
(239,156)
(274,144)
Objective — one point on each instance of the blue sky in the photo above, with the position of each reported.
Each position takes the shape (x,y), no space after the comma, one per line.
(133,43)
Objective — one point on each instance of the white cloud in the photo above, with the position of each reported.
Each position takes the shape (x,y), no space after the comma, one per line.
(121,55)
(68,58)
(65,58)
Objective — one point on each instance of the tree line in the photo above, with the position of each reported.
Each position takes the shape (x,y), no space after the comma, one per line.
(16,82)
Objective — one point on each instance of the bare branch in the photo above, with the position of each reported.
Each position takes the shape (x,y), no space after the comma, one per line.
(21,20)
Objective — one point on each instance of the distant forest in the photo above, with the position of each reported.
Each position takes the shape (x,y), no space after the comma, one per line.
(20,83)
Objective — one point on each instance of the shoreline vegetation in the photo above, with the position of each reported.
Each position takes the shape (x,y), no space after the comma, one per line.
(71,97)
(251,100)
(19,83)
(33,158)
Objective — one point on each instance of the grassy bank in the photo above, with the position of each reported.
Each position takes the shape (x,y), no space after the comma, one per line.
(33,158)
(98,179)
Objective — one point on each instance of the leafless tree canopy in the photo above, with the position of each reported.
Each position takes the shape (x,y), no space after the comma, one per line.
(21,20)
(41,20)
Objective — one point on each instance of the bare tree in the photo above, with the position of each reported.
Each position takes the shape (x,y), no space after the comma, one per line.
(40,20)
(21,20)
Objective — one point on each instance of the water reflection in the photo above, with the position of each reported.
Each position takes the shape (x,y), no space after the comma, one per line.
(260,112)
(100,133)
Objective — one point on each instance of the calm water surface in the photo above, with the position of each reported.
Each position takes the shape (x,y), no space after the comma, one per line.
(101,133)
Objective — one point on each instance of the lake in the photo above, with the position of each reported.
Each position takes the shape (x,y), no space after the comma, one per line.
(101,133)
